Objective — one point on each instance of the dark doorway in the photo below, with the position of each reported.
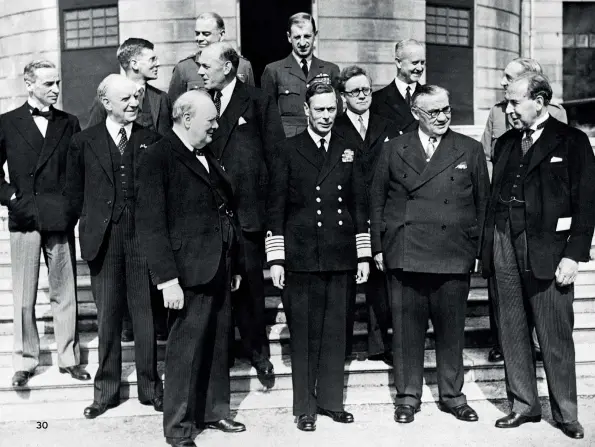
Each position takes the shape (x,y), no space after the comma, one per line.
(263,27)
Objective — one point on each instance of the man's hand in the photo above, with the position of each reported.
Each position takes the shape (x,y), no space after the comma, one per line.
(566,271)
(363,271)
(173,297)
(379,261)
(235,282)
(278,276)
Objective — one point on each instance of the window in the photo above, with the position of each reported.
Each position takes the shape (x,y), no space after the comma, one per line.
(448,26)
(578,40)
(92,27)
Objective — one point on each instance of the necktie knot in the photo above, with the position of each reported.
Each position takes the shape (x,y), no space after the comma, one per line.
(305,66)
(322,143)
(431,147)
(362,127)
(48,114)
(198,152)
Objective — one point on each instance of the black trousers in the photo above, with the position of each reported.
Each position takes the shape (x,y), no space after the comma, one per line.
(159,313)
(119,275)
(524,302)
(316,308)
(415,298)
(197,388)
(248,302)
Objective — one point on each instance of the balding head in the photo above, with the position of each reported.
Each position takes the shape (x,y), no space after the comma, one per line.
(410,58)
(218,65)
(195,118)
(119,96)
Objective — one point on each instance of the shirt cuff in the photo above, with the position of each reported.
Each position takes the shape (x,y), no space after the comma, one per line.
(364,245)
(166,284)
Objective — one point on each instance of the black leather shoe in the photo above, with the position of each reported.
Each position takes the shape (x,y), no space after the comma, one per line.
(495,355)
(76,372)
(405,414)
(306,422)
(95,409)
(516,420)
(263,366)
(227,426)
(21,378)
(386,357)
(462,412)
(344,417)
(157,403)
(180,442)
(127,336)
(573,430)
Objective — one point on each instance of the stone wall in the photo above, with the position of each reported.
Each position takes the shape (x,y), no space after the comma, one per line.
(28,30)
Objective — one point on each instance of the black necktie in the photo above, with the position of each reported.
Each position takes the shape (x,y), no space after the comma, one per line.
(305,67)
(216,95)
(123,140)
(527,141)
(322,142)
(48,114)
(408,96)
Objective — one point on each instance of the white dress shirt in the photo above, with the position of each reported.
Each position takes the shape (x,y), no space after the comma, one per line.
(317,138)
(201,158)
(425,140)
(299,60)
(113,129)
(537,132)
(226,94)
(40,121)
(402,86)
(354,117)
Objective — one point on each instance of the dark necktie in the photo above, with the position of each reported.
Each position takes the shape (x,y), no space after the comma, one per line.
(198,152)
(322,143)
(216,95)
(305,67)
(123,140)
(48,114)
(527,141)
(141,98)
(408,96)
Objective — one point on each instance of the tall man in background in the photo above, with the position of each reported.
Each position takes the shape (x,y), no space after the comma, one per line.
(288,79)
(34,140)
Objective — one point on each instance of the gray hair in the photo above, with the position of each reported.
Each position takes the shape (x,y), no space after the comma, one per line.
(30,69)
(529,65)
(403,44)
(107,82)
(186,104)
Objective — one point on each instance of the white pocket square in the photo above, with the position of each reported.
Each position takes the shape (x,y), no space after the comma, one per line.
(462,165)
(564,223)
(555,160)
(241,121)
(386,139)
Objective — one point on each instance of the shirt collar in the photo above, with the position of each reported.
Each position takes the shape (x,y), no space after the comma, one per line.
(425,139)
(183,140)
(35,106)
(545,116)
(113,129)
(354,117)
(317,138)
(402,87)
(299,59)
(228,89)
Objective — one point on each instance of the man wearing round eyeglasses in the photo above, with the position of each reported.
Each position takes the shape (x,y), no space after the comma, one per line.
(365,132)
(427,204)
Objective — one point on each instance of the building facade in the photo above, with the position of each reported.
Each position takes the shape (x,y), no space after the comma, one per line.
(468,42)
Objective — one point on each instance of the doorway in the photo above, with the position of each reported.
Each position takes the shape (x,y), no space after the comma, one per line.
(263,28)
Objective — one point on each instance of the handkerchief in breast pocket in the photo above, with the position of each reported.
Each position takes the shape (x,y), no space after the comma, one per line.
(461,165)
(241,121)
(555,159)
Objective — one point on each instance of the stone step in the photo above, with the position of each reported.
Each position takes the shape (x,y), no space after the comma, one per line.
(49,385)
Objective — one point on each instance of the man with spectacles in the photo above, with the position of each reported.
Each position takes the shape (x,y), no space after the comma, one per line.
(394,101)
(365,132)
(427,204)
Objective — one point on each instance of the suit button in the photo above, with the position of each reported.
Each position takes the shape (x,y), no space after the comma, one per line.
(287,92)
(318,199)
(36,193)
(339,187)
(443,227)
(31,175)
(319,212)
(105,220)
(340,222)
(318,188)
(339,211)
(340,199)
(446,201)
(320,224)
(109,202)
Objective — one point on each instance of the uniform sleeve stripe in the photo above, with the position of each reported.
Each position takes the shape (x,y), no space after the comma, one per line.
(363,244)
(275,248)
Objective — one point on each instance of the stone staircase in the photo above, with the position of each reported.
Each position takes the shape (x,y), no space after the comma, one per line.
(50,395)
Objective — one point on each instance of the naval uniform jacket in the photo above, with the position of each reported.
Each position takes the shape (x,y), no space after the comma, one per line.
(317,207)
(427,216)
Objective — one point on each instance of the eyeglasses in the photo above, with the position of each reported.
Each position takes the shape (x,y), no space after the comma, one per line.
(355,92)
(434,114)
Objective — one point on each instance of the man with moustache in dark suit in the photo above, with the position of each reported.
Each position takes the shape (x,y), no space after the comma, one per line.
(318,247)
(394,101)
(102,164)
(365,132)
(249,128)
(288,79)
(209,28)
(140,63)
(188,228)
(538,227)
(427,203)
(34,141)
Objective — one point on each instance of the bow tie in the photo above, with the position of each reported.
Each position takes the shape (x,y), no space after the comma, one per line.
(199,152)
(48,114)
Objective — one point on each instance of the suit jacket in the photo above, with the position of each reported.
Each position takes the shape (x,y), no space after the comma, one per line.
(185,76)
(389,103)
(379,131)
(285,82)
(317,207)
(427,216)
(37,171)
(91,181)
(177,215)
(248,130)
(160,110)
(560,183)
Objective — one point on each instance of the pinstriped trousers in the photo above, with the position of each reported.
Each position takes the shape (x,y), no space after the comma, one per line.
(119,274)
(58,250)
(523,302)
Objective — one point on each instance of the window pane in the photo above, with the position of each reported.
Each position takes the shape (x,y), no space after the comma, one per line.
(430,29)
(71,25)
(463,13)
(431,19)
(99,12)
(441,20)
(111,12)
(98,41)
(441,11)
(463,31)
(111,21)
(440,38)
(582,40)
(86,23)
(453,39)
(463,41)
(84,13)
(568,40)
(72,34)
(85,32)
(464,23)
(430,10)
(98,32)
(111,31)
(453,22)
(70,15)
(70,44)
(98,22)
(441,29)
(84,43)
(111,40)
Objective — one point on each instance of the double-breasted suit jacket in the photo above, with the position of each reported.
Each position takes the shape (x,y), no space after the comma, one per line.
(559,184)
(389,103)
(316,207)
(427,216)
(91,181)
(286,83)
(37,170)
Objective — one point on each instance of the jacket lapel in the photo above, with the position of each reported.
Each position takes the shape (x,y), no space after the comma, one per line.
(333,155)
(500,166)
(28,129)
(308,149)
(229,120)
(446,154)
(100,145)
(316,68)
(412,153)
(188,158)
(397,102)
(214,164)
(154,103)
(547,142)
(375,129)
(294,68)
(53,135)
(344,127)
